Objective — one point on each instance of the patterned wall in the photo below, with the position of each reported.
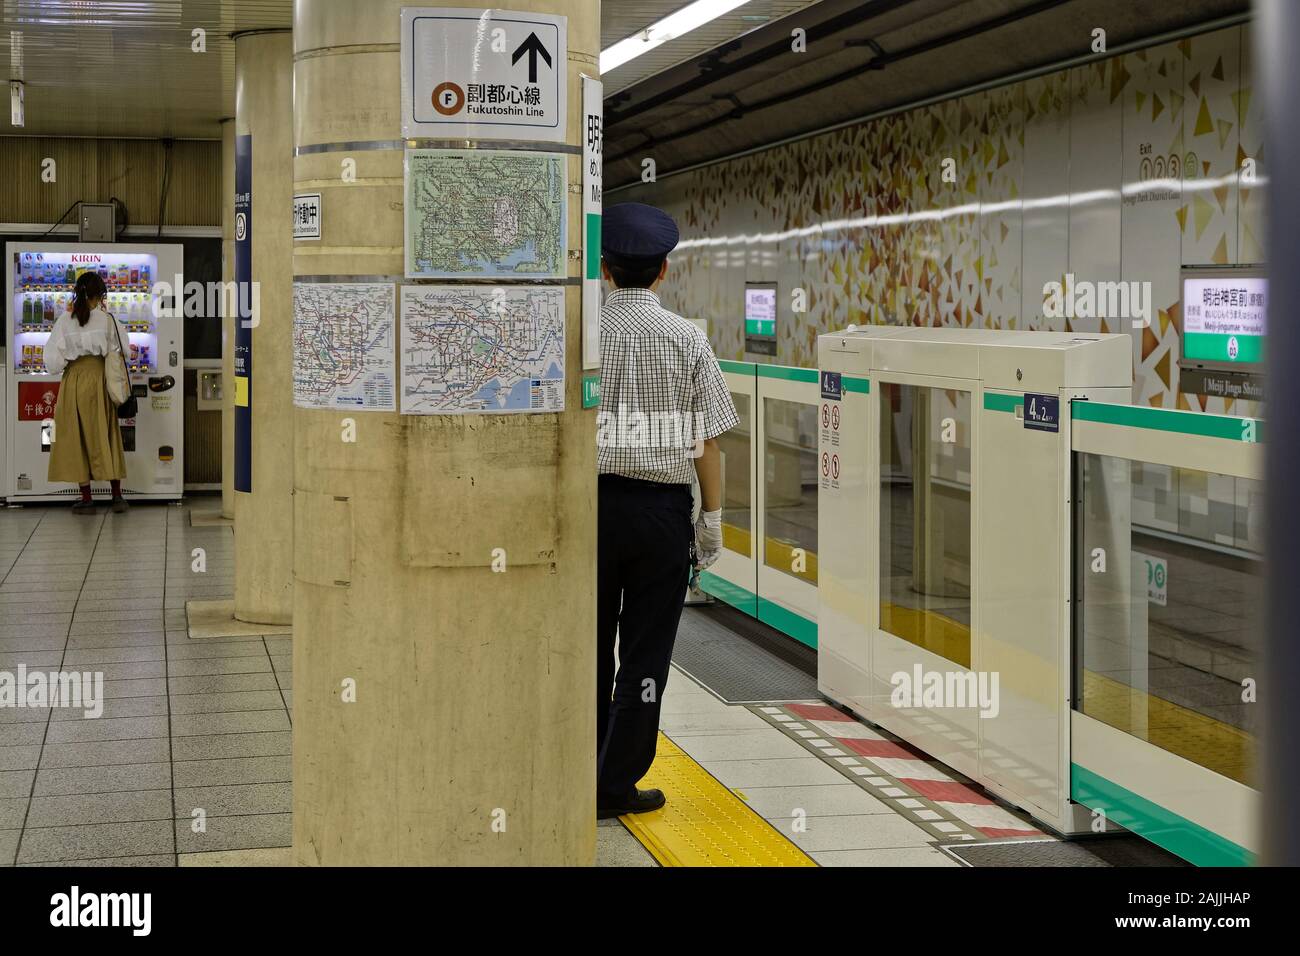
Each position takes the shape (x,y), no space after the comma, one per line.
(1125,168)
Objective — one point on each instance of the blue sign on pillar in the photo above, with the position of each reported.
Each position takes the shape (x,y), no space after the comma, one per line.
(243,313)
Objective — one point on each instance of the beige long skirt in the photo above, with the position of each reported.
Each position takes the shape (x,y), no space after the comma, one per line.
(87,440)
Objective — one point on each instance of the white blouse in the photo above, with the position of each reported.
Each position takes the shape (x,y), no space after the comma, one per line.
(71,340)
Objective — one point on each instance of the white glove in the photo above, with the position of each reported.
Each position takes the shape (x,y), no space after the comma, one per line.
(708,538)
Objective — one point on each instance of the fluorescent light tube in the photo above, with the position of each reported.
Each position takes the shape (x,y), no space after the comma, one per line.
(669,28)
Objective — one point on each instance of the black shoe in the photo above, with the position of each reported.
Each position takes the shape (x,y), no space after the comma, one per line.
(83,508)
(638,801)
(119,505)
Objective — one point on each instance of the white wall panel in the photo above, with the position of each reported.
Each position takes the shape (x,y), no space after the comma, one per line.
(1046,214)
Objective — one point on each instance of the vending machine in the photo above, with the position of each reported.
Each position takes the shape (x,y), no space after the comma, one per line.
(144,294)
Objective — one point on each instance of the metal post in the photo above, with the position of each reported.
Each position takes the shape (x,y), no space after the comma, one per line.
(1277,77)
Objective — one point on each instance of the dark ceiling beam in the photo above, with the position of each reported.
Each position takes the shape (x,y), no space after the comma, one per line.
(884,59)
(1053,66)
(712,70)
(875,63)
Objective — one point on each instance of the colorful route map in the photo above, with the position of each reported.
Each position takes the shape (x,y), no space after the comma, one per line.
(343,346)
(491,214)
(486,350)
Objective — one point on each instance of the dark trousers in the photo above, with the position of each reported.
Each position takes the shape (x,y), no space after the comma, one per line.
(644,538)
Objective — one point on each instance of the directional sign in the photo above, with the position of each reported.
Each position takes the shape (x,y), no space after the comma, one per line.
(483,74)
(534,48)
(306,216)
(592,182)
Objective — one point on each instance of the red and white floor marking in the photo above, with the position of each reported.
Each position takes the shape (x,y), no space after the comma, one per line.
(918,787)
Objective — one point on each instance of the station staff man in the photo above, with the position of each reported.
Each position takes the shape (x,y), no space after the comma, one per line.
(663,404)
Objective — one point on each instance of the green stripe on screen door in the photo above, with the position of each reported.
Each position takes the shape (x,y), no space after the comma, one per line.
(994,402)
(787,372)
(1170,420)
(787,622)
(732,594)
(784,620)
(1152,822)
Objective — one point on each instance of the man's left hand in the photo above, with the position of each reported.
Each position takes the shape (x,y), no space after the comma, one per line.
(708,537)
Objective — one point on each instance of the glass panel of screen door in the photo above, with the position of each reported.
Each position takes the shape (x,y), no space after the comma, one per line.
(737,451)
(1169,624)
(790,488)
(925,517)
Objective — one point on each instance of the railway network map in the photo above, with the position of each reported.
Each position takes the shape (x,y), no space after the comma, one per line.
(490,214)
(484,350)
(343,346)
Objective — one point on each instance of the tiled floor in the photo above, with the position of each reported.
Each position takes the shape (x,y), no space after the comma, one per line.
(191,753)
(836,822)
(951,807)
(190,762)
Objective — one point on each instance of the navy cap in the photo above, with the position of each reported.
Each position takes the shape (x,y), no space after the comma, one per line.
(632,233)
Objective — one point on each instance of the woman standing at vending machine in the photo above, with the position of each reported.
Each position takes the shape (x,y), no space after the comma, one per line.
(87,442)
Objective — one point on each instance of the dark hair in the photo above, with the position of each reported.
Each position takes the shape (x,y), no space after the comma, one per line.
(637,276)
(90,285)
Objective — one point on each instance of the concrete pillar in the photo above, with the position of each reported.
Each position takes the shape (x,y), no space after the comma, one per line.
(1275,74)
(227,319)
(474,690)
(264,513)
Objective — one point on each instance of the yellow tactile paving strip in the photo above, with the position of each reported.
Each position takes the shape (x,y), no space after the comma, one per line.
(704,823)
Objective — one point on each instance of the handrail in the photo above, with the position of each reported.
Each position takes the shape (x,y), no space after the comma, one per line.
(1219,444)
(1207,424)
(793,373)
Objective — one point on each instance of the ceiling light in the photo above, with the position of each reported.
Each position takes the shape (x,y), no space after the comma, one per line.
(669,28)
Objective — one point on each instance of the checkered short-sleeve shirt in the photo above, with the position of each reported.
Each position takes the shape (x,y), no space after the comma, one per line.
(661,391)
